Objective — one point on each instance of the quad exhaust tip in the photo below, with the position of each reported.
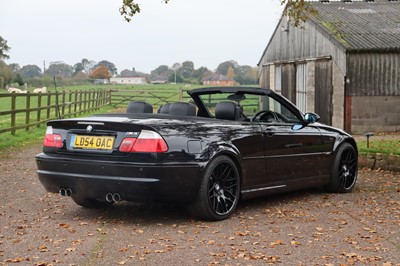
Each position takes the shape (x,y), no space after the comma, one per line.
(113,197)
(65,192)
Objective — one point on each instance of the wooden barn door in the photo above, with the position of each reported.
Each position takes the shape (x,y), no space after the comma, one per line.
(323,91)
(289,82)
(301,87)
(264,80)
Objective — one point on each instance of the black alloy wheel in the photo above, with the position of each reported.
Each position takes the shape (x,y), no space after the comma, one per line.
(344,172)
(219,193)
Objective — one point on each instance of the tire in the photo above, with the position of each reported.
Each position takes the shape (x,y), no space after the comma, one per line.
(90,203)
(344,171)
(219,191)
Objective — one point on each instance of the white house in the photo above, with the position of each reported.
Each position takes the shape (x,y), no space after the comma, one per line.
(128,80)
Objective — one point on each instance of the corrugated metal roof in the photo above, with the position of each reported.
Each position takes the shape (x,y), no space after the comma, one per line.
(360,25)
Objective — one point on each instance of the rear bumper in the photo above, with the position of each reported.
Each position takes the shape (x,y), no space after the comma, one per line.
(164,182)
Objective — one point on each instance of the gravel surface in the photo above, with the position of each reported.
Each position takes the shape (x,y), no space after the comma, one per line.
(303,228)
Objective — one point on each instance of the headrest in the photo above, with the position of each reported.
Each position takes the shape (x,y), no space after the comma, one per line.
(180,108)
(164,109)
(139,107)
(226,110)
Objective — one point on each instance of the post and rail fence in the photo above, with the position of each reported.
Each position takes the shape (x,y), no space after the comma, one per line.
(29,110)
(120,98)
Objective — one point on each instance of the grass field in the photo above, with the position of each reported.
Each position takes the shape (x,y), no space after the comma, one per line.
(384,146)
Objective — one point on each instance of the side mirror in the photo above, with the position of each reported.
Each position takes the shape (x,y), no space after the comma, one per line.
(297,127)
(311,118)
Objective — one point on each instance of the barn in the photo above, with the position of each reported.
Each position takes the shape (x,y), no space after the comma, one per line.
(343,63)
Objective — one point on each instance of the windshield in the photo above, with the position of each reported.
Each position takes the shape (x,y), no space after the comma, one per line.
(259,108)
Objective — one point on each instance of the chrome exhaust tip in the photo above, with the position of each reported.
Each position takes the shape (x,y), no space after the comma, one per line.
(65,192)
(116,197)
(62,192)
(109,197)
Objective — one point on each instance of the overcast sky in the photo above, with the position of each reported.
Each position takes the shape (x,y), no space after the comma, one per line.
(207,32)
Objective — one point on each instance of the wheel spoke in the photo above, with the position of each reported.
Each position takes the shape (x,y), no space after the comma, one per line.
(222,188)
(222,203)
(230,196)
(227,173)
(347,169)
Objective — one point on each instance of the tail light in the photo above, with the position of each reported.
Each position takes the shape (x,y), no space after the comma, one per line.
(148,141)
(52,140)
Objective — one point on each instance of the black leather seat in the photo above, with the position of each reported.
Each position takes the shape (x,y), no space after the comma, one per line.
(227,111)
(180,108)
(139,107)
(164,109)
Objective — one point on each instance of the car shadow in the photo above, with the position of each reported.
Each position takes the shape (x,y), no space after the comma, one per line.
(155,213)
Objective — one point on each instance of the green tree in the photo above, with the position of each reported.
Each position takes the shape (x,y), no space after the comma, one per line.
(14,67)
(59,69)
(177,79)
(162,70)
(5,75)
(78,68)
(18,79)
(110,66)
(246,75)
(84,66)
(30,71)
(223,67)
(201,73)
(186,69)
(4,48)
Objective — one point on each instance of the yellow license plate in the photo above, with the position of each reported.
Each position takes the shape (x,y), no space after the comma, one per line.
(93,142)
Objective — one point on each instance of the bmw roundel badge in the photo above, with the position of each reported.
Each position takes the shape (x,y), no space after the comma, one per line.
(89,128)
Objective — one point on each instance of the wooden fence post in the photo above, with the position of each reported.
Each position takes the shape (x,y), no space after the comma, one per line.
(13,107)
(75,103)
(80,102)
(39,106)
(28,111)
(48,105)
(69,103)
(180,95)
(63,104)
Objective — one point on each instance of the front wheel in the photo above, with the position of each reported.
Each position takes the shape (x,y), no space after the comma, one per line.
(219,191)
(344,171)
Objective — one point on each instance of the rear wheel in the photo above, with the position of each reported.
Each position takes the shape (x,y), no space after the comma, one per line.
(344,171)
(219,192)
(90,203)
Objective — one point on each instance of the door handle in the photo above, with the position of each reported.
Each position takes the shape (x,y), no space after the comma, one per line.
(269,131)
(295,145)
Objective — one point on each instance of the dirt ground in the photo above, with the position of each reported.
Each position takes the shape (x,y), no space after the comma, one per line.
(302,228)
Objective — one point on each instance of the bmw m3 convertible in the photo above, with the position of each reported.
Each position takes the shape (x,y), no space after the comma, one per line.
(226,144)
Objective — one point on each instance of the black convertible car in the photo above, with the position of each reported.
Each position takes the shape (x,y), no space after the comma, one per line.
(227,143)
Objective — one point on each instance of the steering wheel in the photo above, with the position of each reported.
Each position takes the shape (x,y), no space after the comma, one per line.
(266,115)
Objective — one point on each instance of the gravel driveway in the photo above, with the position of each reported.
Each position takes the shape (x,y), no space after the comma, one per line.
(302,228)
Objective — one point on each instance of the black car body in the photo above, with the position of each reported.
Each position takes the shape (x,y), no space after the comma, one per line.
(229,143)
